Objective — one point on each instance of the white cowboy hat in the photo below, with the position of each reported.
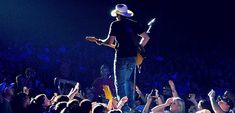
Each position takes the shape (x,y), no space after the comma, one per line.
(121,9)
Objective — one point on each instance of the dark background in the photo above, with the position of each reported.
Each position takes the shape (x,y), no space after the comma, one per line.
(45,33)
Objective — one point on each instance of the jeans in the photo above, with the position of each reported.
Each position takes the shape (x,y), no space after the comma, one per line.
(123,69)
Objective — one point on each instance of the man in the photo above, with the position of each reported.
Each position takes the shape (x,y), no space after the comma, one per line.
(125,33)
(29,80)
(224,104)
(231,95)
(106,78)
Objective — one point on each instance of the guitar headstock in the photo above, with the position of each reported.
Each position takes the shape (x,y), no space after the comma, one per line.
(91,38)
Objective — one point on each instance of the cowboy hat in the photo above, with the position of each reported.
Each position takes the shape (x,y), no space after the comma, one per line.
(121,9)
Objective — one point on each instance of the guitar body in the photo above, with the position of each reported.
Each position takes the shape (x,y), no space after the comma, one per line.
(139,59)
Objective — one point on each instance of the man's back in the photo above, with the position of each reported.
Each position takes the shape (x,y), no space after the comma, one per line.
(126,32)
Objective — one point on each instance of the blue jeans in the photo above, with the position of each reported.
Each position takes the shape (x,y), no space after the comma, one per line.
(123,69)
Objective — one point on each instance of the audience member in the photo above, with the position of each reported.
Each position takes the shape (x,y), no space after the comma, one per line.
(106,78)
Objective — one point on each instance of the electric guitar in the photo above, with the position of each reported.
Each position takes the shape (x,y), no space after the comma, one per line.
(140,54)
(139,58)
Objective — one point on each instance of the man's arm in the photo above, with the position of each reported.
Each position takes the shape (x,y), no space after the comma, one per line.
(160,108)
(192,98)
(107,42)
(216,108)
(140,94)
(145,38)
(173,89)
(148,103)
(19,81)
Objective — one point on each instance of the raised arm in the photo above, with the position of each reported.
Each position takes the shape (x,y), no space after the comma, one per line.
(122,101)
(161,108)
(74,91)
(141,95)
(157,97)
(192,98)
(148,103)
(216,108)
(173,89)
(145,38)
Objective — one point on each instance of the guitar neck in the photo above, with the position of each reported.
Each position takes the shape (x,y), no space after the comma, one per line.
(96,40)
(109,45)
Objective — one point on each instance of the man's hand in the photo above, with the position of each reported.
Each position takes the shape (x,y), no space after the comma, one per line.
(26,90)
(171,83)
(122,101)
(138,90)
(80,94)
(149,96)
(99,42)
(192,97)
(74,91)
(156,93)
(169,101)
(211,94)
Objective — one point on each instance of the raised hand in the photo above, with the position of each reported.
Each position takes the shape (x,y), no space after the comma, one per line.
(156,94)
(138,90)
(80,94)
(149,96)
(169,101)
(140,94)
(157,97)
(171,83)
(122,101)
(26,90)
(173,89)
(160,108)
(74,91)
(192,97)
(211,94)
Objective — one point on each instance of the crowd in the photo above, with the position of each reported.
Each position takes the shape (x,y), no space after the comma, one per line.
(203,82)
(25,96)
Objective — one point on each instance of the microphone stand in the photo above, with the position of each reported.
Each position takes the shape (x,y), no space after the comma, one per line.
(138,66)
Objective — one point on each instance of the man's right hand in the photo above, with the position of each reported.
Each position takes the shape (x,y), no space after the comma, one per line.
(99,42)
(169,101)
(211,94)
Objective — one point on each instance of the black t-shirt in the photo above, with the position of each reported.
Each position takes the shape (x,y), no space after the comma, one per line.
(126,32)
